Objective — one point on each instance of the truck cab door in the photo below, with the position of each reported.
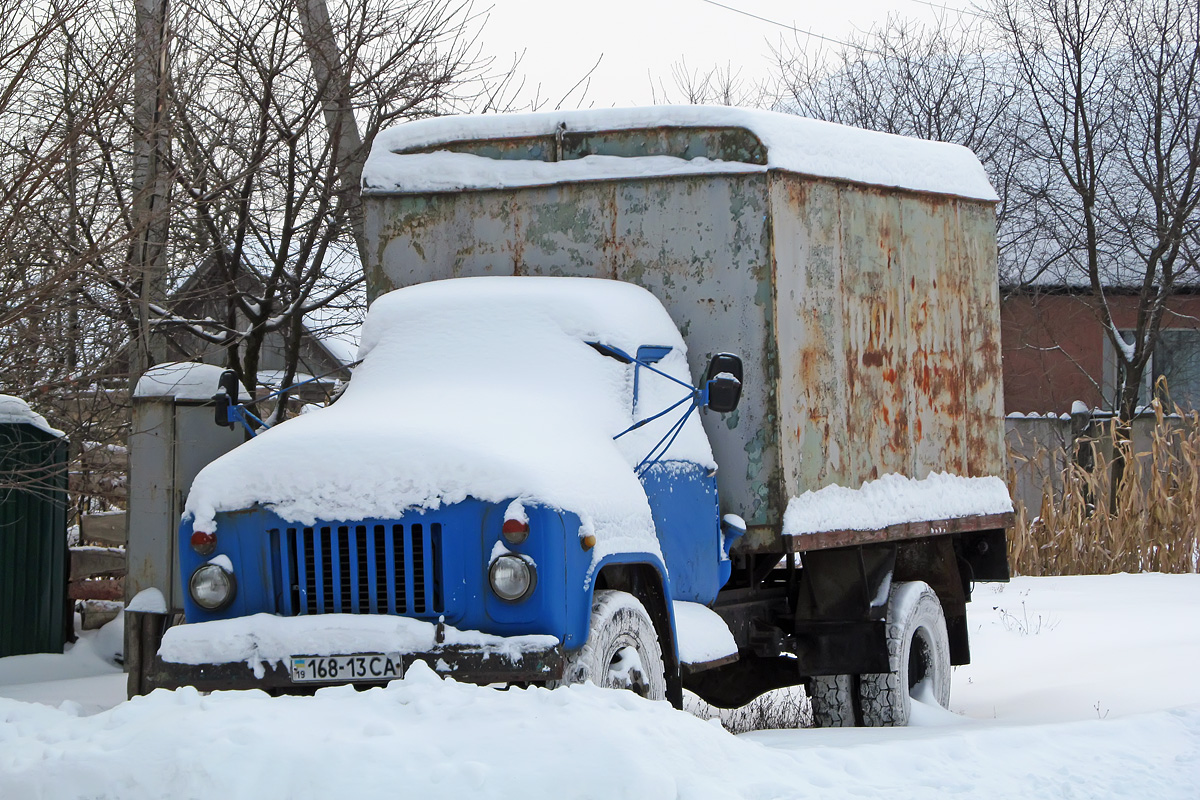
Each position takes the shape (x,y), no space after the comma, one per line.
(683,503)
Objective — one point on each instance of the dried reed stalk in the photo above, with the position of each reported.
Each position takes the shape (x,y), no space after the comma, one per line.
(1153,525)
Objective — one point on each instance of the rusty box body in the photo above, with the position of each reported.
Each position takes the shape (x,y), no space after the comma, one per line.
(867,316)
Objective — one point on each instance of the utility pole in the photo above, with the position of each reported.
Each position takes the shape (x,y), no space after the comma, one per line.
(333,87)
(151,182)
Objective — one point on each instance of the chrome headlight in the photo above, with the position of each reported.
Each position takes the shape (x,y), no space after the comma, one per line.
(512,577)
(212,587)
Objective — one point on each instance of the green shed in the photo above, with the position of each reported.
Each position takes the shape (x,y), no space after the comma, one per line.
(34,616)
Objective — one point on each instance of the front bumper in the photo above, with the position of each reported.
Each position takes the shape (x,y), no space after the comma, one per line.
(462,663)
(254,652)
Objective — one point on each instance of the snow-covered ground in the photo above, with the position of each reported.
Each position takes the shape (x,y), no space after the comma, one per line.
(1081,687)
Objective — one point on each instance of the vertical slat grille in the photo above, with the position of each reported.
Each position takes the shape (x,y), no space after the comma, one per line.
(394,553)
(409,559)
(360,569)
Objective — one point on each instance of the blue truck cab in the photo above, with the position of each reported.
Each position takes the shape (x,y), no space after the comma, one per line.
(583,497)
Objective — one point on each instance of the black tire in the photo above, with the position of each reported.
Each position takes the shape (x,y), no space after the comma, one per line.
(918,654)
(622,650)
(832,698)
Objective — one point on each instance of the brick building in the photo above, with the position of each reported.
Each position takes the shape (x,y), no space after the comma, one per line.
(1055,350)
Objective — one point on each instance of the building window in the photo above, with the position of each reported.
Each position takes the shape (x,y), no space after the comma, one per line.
(1176,358)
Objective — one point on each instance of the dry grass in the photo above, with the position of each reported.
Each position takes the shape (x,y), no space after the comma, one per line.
(1151,525)
(780,709)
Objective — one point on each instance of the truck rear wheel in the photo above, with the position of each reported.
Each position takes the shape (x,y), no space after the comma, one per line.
(832,699)
(919,656)
(622,650)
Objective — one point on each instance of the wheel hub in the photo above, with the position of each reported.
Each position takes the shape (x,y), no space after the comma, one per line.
(625,671)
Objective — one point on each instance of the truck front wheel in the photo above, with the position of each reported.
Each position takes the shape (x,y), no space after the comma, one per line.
(919,656)
(622,650)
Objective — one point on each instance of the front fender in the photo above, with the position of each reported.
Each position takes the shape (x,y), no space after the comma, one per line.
(628,572)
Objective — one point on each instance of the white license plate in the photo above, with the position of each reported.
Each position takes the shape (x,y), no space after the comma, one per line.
(357,667)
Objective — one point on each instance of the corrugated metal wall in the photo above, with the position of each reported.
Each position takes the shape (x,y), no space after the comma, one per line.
(171,441)
(33,541)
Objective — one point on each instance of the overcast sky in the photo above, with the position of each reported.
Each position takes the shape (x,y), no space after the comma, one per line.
(639,40)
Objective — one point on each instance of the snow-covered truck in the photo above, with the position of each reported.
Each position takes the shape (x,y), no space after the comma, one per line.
(716,406)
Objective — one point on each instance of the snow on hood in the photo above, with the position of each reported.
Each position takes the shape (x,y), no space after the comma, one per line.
(15,411)
(476,387)
(796,144)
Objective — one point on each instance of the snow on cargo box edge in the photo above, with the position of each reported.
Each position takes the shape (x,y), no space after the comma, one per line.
(893,500)
(480,388)
(795,144)
(452,172)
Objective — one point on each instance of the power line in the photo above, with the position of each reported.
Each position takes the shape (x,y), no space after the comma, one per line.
(829,39)
(944,7)
(862,48)
(783,25)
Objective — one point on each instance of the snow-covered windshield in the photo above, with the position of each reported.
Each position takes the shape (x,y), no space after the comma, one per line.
(479,387)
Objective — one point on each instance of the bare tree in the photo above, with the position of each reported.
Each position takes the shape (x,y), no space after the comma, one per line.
(1114,90)
(34,145)
(276,105)
(65,70)
(262,187)
(376,63)
(944,82)
(721,86)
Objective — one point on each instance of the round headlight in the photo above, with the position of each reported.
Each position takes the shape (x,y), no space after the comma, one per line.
(512,577)
(212,587)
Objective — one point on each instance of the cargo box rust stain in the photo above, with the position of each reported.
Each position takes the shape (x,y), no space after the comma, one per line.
(867,316)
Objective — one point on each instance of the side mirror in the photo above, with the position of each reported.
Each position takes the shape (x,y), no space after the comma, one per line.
(226,398)
(723,385)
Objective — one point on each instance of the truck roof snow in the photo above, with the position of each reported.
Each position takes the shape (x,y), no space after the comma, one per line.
(416,157)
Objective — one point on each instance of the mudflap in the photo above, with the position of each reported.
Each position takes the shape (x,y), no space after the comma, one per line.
(737,683)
